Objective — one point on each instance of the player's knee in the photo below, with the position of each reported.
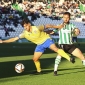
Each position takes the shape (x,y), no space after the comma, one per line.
(35,59)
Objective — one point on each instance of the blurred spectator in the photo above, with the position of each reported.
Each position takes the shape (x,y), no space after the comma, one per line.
(6,31)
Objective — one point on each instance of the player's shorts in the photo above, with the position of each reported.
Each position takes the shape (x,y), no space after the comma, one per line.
(42,47)
(67,48)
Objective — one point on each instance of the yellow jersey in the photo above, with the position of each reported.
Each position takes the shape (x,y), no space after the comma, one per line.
(37,36)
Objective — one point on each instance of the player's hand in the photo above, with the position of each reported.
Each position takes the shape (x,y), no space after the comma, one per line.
(1,41)
(52,33)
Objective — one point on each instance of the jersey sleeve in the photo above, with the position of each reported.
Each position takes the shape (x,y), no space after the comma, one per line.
(55,30)
(21,35)
(73,30)
(41,27)
(73,27)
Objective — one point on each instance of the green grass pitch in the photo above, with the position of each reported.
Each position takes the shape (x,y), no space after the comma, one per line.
(13,53)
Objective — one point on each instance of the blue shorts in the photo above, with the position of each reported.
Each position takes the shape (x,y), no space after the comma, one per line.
(42,47)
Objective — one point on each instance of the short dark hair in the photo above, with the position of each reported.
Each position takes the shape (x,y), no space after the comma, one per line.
(67,13)
(25,21)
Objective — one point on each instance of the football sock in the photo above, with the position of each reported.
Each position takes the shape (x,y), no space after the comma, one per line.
(63,54)
(37,64)
(57,61)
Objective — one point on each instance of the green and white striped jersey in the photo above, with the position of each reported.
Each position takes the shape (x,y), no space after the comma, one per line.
(65,34)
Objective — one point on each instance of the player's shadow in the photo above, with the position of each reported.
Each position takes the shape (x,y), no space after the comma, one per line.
(8,68)
(77,70)
(47,64)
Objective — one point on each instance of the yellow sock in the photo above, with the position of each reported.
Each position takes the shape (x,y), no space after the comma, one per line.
(63,54)
(37,64)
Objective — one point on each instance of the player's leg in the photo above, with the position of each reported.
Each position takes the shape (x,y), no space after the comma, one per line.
(76,39)
(60,52)
(79,54)
(73,39)
(57,62)
(37,54)
(58,58)
(72,49)
(36,57)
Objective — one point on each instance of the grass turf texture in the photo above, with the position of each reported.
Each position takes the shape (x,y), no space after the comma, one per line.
(13,53)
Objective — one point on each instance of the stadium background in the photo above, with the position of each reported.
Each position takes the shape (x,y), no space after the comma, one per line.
(77,17)
(22,52)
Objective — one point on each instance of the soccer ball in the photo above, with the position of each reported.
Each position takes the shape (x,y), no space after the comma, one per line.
(76,31)
(19,68)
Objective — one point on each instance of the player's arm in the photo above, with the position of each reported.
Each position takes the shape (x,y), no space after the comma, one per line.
(9,40)
(49,31)
(54,26)
(12,39)
(52,31)
(42,27)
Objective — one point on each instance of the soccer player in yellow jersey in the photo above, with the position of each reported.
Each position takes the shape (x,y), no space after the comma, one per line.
(37,35)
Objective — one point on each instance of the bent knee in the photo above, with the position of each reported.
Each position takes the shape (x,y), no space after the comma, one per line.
(35,59)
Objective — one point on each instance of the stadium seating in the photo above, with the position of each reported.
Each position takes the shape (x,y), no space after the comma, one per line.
(42,21)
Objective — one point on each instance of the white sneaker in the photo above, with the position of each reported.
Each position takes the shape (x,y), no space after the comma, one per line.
(83,62)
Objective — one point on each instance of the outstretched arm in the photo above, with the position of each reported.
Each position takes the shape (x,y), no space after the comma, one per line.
(42,27)
(9,40)
(54,26)
(49,31)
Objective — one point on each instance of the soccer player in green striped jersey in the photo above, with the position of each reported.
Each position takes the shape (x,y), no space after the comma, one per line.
(65,41)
